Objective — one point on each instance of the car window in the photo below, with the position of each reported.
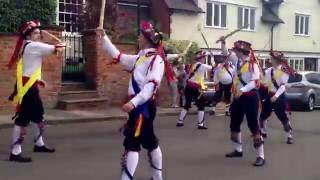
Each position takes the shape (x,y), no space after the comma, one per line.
(295,78)
(313,78)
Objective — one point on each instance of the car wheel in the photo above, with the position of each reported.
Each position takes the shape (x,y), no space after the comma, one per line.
(310,105)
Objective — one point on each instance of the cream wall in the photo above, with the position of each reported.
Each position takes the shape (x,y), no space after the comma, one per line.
(185,26)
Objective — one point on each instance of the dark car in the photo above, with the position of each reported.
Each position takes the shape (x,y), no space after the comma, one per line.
(303,90)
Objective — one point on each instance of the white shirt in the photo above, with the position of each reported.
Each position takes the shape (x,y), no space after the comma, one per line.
(221,75)
(33,56)
(249,78)
(201,71)
(281,81)
(143,75)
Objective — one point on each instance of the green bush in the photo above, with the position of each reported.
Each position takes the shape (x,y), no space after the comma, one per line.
(15,12)
(179,46)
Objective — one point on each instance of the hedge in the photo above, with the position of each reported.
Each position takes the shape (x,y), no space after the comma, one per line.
(15,12)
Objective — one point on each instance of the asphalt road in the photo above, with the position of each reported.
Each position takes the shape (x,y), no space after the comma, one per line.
(93,151)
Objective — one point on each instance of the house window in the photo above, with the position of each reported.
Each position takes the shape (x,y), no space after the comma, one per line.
(216,15)
(246,18)
(310,64)
(69,12)
(302,24)
(297,64)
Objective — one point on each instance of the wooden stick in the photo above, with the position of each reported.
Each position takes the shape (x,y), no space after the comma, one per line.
(102,12)
(233,32)
(51,36)
(187,49)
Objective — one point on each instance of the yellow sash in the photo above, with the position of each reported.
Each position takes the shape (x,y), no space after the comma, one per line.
(140,60)
(199,79)
(243,69)
(23,89)
(277,75)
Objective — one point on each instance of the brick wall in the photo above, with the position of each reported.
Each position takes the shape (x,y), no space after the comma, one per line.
(51,73)
(111,81)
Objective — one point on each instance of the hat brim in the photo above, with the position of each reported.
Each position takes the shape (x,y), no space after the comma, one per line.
(242,50)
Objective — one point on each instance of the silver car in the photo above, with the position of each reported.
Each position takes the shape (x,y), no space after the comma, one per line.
(303,90)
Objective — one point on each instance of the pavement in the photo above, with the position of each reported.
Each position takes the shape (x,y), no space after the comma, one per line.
(93,150)
(56,116)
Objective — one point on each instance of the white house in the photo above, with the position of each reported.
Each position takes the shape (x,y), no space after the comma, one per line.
(295,25)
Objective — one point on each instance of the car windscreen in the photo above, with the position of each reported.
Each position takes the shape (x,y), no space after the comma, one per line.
(295,78)
(313,78)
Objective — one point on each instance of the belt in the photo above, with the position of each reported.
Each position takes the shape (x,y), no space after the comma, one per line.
(271,94)
(153,98)
(193,85)
(250,93)
(25,80)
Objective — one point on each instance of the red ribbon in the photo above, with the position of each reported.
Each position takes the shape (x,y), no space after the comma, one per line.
(15,55)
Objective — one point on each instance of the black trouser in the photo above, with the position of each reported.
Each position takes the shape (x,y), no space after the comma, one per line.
(224,90)
(279,108)
(31,108)
(147,138)
(245,105)
(193,94)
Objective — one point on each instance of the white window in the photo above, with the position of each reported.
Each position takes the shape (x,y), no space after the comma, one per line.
(297,64)
(246,18)
(69,12)
(216,15)
(302,24)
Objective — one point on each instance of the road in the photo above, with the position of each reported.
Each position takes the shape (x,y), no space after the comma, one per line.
(93,150)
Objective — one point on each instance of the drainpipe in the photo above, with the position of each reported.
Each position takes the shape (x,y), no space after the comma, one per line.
(272,31)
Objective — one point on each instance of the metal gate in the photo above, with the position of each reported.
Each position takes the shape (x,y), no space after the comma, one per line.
(74,60)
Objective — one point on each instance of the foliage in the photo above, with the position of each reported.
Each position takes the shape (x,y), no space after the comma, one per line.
(179,46)
(14,12)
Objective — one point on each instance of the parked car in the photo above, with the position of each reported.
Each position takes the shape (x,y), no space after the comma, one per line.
(303,90)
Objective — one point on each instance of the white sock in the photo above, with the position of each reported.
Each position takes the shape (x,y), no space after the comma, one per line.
(289,134)
(182,115)
(264,127)
(201,118)
(131,164)
(16,134)
(238,145)
(260,151)
(38,136)
(156,160)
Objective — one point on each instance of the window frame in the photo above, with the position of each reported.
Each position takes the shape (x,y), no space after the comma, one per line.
(297,64)
(219,26)
(305,26)
(243,10)
(64,13)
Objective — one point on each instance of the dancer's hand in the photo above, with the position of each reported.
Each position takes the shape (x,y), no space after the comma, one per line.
(222,39)
(128,107)
(100,32)
(238,94)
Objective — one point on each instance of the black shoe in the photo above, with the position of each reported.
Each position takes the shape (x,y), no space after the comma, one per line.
(19,158)
(234,154)
(202,128)
(212,113)
(264,135)
(180,124)
(43,149)
(259,162)
(290,140)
